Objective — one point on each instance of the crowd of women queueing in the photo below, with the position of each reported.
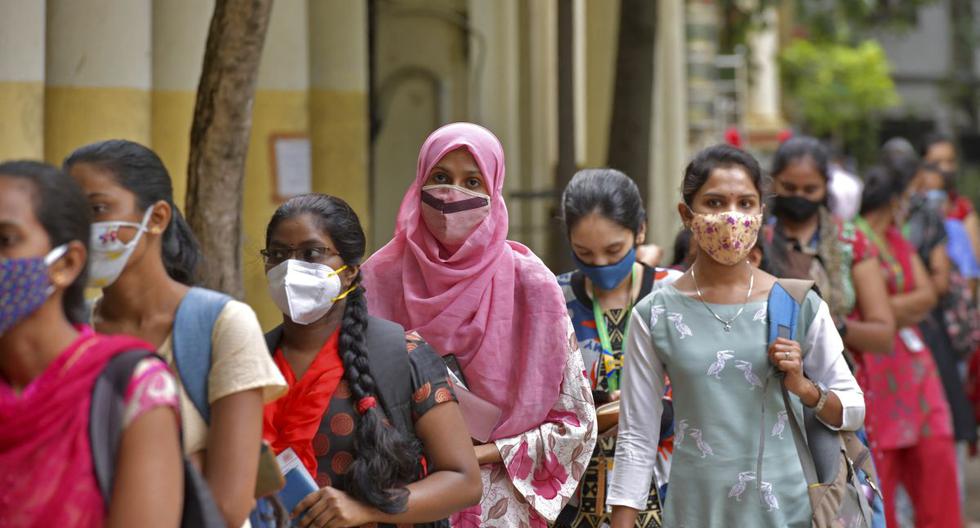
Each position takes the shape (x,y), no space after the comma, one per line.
(450,379)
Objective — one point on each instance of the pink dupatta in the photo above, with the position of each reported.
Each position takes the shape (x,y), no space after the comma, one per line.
(493,304)
(45,459)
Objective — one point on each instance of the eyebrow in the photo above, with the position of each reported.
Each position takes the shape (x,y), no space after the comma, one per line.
(98,194)
(304,244)
(472,171)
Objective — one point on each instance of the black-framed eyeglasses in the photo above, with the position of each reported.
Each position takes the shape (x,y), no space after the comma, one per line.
(313,255)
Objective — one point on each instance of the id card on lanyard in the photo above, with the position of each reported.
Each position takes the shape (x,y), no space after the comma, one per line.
(612,365)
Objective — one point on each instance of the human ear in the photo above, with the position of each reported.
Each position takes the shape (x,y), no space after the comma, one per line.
(159,218)
(684,211)
(63,272)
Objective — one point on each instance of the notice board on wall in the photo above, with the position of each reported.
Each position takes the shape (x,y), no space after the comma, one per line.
(292,165)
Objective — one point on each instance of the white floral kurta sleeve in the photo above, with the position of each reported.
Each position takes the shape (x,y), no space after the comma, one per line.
(543,466)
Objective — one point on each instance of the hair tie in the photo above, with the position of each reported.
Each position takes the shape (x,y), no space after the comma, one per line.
(366,403)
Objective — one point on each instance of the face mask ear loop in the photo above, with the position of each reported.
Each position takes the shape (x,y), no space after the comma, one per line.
(50,259)
(345,294)
(338,270)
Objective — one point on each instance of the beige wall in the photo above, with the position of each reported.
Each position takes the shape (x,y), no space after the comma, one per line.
(21,79)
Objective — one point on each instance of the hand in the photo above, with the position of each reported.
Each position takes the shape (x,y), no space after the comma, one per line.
(614,395)
(785,354)
(332,508)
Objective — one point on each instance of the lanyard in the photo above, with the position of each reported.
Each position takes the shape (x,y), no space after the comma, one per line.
(885,253)
(609,360)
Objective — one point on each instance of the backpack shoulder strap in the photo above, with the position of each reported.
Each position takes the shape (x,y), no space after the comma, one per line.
(105,425)
(797,288)
(390,366)
(783,308)
(273,338)
(193,326)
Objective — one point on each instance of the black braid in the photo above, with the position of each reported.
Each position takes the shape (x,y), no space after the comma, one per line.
(385,458)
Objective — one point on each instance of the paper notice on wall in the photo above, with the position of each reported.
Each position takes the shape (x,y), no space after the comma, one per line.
(294,173)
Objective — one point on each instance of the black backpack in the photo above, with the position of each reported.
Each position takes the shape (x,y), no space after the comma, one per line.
(105,434)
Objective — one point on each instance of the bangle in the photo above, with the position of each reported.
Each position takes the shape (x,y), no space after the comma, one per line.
(823,398)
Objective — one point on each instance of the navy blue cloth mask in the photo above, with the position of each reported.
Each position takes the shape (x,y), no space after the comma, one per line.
(608,277)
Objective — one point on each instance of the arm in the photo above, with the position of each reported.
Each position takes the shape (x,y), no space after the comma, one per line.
(454,482)
(824,363)
(232,457)
(940,268)
(149,474)
(639,425)
(912,307)
(874,332)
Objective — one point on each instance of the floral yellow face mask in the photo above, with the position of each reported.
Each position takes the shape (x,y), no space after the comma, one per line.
(726,237)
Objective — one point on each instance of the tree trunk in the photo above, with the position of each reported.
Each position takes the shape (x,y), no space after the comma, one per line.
(632,116)
(220,136)
(560,257)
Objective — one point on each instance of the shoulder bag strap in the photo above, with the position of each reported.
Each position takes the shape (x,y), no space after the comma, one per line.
(106,416)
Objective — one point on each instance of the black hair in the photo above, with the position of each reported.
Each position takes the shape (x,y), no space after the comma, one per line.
(801,148)
(882,183)
(61,208)
(385,458)
(934,138)
(140,171)
(682,248)
(608,192)
(718,157)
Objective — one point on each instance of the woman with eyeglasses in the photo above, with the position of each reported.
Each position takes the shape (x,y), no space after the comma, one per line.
(370,411)
(144,258)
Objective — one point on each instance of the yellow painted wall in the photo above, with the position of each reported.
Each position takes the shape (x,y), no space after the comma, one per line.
(21,120)
(339,140)
(76,116)
(275,112)
(171,116)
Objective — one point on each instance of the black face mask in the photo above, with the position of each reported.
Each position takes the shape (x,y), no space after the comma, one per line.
(794,208)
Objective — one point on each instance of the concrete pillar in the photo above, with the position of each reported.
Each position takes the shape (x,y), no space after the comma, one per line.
(21,79)
(764,94)
(670,147)
(98,73)
(180,32)
(281,108)
(338,102)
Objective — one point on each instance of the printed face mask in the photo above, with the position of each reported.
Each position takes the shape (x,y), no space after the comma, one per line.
(452,213)
(608,277)
(25,286)
(726,237)
(305,291)
(107,254)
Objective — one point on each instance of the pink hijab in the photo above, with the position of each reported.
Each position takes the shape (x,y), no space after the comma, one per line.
(493,304)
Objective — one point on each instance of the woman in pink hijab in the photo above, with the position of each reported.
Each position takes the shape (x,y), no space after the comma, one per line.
(492,309)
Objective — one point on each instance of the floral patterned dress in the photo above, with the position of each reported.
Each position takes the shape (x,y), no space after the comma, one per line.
(542,467)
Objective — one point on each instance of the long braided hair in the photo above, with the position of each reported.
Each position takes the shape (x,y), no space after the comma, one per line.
(385,458)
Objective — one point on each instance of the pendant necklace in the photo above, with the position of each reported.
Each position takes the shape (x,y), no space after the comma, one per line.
(728,323)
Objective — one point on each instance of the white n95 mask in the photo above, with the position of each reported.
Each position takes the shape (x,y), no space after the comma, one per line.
(305,291)
(107,254)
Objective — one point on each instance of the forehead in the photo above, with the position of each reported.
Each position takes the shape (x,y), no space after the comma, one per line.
(17,202)
(300,229)
(460,157)
(732,180)
(595,229)
(802,170)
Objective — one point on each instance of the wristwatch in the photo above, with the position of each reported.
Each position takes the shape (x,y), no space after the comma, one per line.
(823,397)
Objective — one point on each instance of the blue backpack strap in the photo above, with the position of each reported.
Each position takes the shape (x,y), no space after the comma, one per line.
(193,326)
(783,313)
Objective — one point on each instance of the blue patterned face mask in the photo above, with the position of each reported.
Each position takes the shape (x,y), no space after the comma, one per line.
(608,277)
(24,286)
